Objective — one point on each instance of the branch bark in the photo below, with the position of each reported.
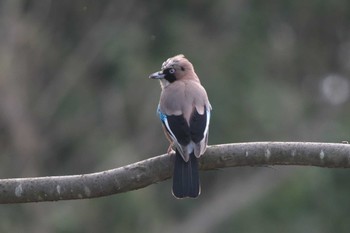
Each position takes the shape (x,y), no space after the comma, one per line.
(156,169)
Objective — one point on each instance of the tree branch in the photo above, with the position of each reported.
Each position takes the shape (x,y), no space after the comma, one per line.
(156,169)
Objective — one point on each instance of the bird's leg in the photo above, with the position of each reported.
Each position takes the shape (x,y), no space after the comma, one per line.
(170,149)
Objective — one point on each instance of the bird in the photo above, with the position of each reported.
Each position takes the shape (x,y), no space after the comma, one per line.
(184,110)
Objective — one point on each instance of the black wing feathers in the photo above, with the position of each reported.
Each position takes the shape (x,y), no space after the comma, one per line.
(198,123)
(180,129)
(184,133)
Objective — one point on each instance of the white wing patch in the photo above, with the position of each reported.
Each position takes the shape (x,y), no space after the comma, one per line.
(207,123)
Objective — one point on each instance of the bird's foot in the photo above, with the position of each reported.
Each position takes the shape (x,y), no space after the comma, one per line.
(170,150)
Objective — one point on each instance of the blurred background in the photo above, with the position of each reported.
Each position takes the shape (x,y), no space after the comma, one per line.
(75,98)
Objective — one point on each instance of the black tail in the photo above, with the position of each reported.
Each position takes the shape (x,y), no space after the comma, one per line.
(186,177)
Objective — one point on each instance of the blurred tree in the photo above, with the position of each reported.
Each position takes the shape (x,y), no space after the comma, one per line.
(75,98)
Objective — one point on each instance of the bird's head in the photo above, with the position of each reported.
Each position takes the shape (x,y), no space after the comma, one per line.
(173,69)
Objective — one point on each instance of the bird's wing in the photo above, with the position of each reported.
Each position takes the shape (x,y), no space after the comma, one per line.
(199,128)
(178,130)
(188,138)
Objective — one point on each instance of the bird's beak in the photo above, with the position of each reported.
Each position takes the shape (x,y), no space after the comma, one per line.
(157,75)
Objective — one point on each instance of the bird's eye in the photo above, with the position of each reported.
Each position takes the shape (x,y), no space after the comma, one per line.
(171,71)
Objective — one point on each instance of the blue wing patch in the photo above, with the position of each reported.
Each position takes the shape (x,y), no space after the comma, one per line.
(161,115)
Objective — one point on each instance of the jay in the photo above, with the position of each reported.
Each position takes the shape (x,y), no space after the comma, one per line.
(184,111)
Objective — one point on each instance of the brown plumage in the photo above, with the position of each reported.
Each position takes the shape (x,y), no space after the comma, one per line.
(184,109)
